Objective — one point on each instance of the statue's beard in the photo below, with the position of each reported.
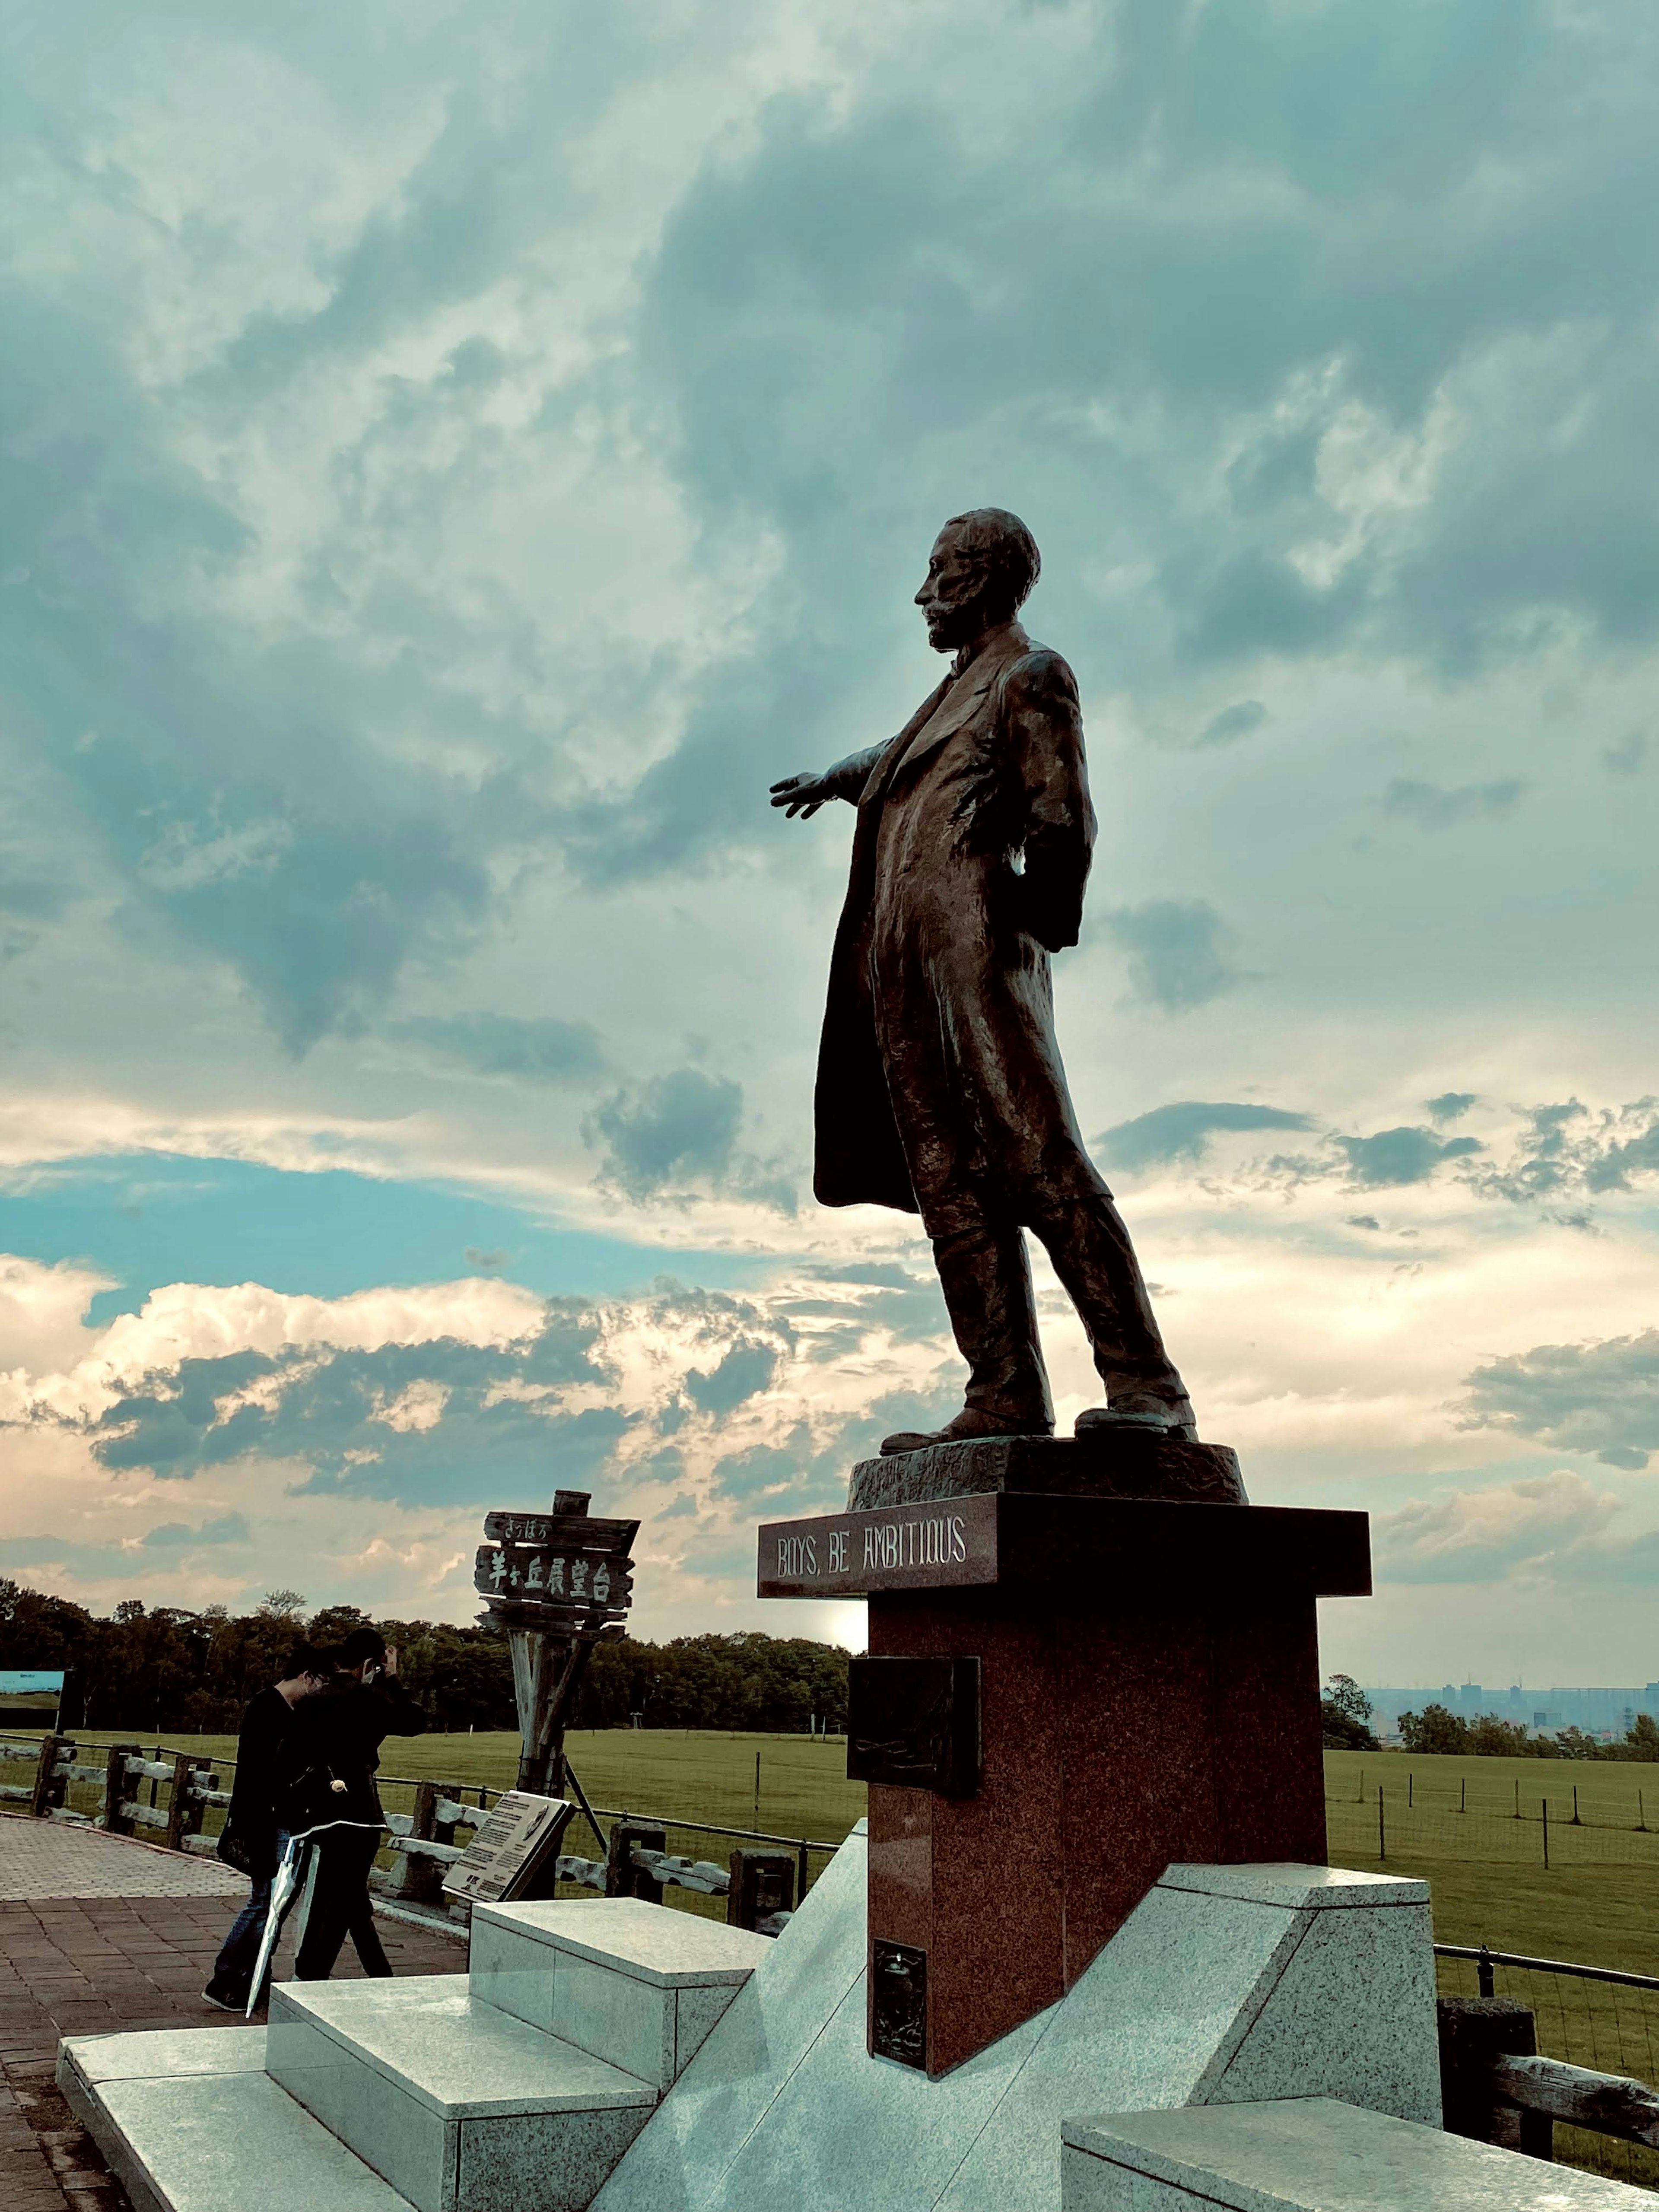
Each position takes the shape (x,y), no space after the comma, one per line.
(951,626)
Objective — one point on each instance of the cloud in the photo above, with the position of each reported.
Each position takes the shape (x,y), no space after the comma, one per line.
(1396,1157)
(678,1133)
(1362,1221)
(1242,720)
(1601,1397)
(1451,1105)
(1570,1148)
(746,1369)
(228,1528)
(1629,756)
(1183,1131)
(1430,806)
(539,1051)
(1481,1535)
(1177,949)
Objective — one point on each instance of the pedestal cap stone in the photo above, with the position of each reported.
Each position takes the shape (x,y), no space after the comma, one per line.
(1121,1463)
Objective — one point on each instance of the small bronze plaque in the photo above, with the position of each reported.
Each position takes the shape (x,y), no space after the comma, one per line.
(913,1723)
(898,2003)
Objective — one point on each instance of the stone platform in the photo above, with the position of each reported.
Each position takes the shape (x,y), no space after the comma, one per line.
(442,2093)
(1259,2038)
(1310,2154)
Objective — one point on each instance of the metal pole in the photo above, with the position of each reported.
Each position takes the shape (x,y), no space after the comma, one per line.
(1544,1802)
(1483,1974)
(1463,1795)
(1381,1831)
(758,1759)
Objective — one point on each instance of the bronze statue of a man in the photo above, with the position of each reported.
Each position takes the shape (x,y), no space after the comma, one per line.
(940,1089)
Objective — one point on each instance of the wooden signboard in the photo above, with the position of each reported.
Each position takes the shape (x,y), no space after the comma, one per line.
(557,1582)
(510,1850)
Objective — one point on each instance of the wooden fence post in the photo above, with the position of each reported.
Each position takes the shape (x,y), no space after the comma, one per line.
(1473,2032)
(48,1790)
(763,1882)
(115,1780)
(185,1807)
(622,1877)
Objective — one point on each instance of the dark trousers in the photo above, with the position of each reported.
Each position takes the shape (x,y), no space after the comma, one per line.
(986,1280)
(340,1907)
(233,1970)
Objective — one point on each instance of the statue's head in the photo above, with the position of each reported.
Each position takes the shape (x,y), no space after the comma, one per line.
(982,567)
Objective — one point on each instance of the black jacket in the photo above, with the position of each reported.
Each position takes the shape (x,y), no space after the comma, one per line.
(337,1738)
(261,1768)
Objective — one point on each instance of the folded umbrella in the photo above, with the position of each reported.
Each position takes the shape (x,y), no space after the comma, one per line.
(290,1874)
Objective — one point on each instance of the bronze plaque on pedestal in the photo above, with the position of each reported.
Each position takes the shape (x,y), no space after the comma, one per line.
(898,2002)
(913,1723)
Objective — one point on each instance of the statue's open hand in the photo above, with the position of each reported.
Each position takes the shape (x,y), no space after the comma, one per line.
(801,795)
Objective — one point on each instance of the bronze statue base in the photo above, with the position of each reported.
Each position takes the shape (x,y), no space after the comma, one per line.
(1116,1463)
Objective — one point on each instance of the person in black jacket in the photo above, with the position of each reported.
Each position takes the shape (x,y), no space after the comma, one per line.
(331,1759)
(253,1819)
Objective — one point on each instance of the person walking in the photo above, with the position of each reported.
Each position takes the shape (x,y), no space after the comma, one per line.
(332,1757)
(253,1839)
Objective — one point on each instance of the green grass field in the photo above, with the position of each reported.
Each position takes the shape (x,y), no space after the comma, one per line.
(1598,1904)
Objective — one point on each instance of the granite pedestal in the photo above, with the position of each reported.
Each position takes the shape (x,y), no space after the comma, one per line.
(1147,1691)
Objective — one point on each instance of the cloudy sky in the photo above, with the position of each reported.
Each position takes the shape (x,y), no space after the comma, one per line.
(456,458)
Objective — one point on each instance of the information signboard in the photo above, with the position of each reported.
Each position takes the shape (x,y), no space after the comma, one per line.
(519,1833)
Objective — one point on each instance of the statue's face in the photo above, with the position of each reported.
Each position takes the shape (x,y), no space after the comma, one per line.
(952,593)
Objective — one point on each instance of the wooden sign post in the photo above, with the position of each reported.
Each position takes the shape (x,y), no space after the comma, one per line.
(557,1582)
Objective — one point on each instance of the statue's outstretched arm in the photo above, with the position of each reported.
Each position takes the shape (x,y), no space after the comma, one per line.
(804,794)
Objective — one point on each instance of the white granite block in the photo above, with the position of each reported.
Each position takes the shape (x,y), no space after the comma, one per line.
(1298,1888)
(695,2011)
(398,2069)
(164,2053)
(187,2141)
(637,1984)
(1309,2155)
(629,2022)
(552,2162)
(652,1942)
(408,2144)
(509,1973)
(1351,2016)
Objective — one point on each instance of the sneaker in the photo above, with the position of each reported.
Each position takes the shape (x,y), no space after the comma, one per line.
(221,2003)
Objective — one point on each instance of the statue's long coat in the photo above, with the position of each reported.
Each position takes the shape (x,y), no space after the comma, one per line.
(940,1088)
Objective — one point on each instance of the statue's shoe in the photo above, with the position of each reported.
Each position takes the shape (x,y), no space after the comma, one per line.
(968,1427)
(1141,1410)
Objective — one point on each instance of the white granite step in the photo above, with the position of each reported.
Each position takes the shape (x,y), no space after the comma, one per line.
(460,2105)
(639,1984)
(1309,2155)
(188,2120)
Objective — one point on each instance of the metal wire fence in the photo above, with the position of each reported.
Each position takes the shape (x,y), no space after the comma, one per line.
(1539,1832)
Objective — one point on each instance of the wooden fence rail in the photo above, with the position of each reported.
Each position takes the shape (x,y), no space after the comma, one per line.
(422,1842)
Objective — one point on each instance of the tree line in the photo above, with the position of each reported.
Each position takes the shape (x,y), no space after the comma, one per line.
(161,1668)
(1438,1729)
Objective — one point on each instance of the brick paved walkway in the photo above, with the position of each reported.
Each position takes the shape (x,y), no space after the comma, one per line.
(44,1858)
(89,1966)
